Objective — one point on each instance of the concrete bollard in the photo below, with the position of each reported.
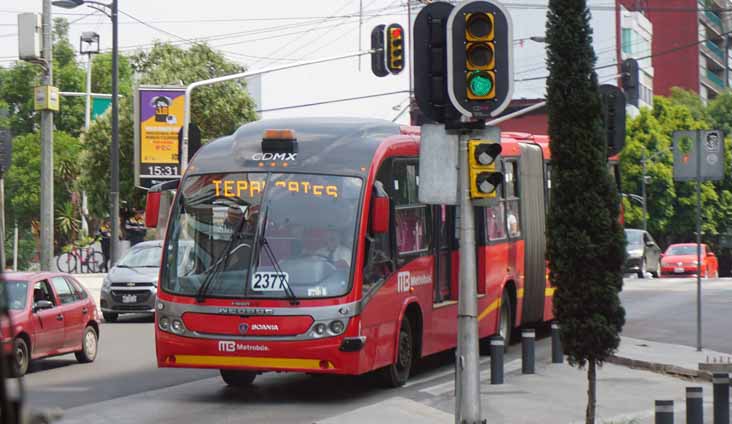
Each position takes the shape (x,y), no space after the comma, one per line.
(721,398)
(497,360)
(557,353)
(694,405)
(528,337)
(664,412)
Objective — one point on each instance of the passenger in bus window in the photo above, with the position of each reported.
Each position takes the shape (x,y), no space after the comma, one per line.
(494,222)
(512,221)
(334,250)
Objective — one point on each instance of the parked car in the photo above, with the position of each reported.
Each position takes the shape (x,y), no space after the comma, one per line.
(131,285)
(51,314)
(644,255)
(680,260)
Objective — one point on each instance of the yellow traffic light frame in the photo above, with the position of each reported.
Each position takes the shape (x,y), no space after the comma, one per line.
(396,48)
(490,36)
(476,169)
(470,95)
(473,67)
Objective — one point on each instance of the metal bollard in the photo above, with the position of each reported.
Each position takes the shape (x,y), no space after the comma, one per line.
(664,412)
(721,398)
(557,353)
(528,337)
(497,360)
(694,405)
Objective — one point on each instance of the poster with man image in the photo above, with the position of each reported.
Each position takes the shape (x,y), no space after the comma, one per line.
(159,119)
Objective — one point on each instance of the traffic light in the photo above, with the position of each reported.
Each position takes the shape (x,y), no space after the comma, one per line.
(485,177)
(631,85)
(613,114)
(480,76)
(430,62)
(394,48)
(378,62)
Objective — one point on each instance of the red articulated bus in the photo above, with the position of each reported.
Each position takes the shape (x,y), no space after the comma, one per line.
(300,245)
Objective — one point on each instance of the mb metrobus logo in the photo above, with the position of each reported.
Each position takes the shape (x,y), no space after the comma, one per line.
(227,346)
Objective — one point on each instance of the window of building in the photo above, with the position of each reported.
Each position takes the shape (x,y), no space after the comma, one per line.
(627,40)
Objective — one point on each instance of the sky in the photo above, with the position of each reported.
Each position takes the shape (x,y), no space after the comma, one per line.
(263,34)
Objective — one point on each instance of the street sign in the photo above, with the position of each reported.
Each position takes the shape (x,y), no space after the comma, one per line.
(6,149)
(438,166)
(99,106)
(158,119)
(702,149)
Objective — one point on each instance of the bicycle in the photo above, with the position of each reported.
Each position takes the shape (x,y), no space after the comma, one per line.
(87,259)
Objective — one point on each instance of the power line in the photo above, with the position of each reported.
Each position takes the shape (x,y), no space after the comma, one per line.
(325,102)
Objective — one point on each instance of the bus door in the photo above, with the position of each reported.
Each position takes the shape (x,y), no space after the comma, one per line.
(531,183)
(444,247)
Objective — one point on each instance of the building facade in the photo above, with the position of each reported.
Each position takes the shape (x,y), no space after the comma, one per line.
(690,45)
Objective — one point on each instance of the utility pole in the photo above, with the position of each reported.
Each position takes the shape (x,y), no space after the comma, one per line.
(47,147)
(88,38)
(114,148)
(643,189)
(15,247)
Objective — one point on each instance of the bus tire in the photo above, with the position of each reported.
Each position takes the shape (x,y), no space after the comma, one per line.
(397,374)
(238,378)
(505,320)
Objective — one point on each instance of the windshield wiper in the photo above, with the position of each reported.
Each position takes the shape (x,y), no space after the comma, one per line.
(213,270)
(273,260)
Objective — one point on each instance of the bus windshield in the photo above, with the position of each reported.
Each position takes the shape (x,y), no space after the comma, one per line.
(252,235)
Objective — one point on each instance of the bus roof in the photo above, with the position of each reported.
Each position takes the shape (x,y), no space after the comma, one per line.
(324,145)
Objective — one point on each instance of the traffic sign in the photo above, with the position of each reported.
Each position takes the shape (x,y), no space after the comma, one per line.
(701,151)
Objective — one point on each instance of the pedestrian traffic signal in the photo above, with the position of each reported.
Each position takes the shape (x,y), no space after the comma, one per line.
(395,48)
(485,176)
(430,63)
(480,77)
(378,54)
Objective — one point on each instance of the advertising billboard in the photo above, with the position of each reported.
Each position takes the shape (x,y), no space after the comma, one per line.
(158,119)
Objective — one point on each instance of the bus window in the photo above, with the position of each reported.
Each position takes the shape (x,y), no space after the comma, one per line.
(495,222)
(511,190)
(411,218)
(378,264)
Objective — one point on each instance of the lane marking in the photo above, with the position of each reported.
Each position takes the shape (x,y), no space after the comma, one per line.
(440,389)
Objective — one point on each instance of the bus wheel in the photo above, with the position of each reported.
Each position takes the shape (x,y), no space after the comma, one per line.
(238,378)
(505,321)
(396,374)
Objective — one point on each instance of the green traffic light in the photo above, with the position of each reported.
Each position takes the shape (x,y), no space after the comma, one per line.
(480,83)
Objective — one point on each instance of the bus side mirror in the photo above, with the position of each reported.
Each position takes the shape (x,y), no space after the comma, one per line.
(152,209)
(380,217)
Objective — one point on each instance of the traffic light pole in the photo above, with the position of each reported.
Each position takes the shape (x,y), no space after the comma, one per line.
(467,365)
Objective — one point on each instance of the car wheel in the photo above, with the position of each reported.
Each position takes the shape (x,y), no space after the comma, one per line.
(21,357)
(643,269)
(657,272)
(109,316)
(397,374)
(89,342)
(238,378)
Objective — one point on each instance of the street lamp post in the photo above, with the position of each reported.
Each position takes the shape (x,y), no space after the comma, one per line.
(114,148)
(88,45)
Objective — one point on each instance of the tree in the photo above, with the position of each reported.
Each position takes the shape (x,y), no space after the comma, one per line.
(21,183)
(586,246)
(218,110)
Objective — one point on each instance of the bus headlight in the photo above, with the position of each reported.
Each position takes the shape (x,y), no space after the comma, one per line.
(177,326)
(164,323)
(319,329)
(337,327)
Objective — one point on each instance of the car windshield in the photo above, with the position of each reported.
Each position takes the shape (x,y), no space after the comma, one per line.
(287,229)
(141,257)
(635,238)
(16,292)
(682,250)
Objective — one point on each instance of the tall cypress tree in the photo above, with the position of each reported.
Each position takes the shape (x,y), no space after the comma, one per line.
(586,243)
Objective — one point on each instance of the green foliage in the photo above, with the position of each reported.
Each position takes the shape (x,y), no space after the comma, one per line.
(217,109)
(586,247)
(27,247)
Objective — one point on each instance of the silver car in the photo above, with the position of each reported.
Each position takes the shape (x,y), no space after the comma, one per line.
(131,285)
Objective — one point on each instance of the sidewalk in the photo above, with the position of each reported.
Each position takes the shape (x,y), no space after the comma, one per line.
(557,393)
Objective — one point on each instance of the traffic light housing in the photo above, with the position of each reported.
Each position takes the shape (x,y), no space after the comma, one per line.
(613,114)
(485,175)
(480,73)
(378,61)
(631,85)
(395,48)
(429,47)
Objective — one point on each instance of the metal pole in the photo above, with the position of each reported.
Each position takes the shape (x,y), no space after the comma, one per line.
(15,247)
(468,406)
(497,349)
(557,353)
(241,75)
(47,147)
(2,221)
(721,398)
(87,110)
(114,148)
(664,412)
(528,337)
(643,190)
(698,244)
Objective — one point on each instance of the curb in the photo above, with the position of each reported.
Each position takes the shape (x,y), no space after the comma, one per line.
(673,370)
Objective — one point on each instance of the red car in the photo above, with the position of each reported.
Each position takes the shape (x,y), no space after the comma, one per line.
(680,260)
(52,314)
